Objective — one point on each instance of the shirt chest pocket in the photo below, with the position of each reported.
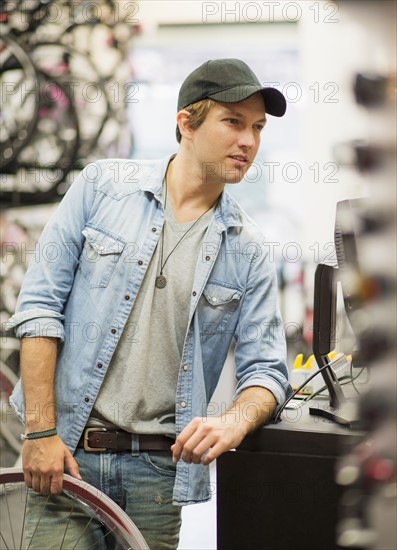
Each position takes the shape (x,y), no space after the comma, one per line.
(100,256)
(219,302)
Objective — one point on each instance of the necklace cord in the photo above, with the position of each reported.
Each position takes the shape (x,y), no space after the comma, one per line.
(183,236)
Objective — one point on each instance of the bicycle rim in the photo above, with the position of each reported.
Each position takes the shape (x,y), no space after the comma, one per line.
(98,506)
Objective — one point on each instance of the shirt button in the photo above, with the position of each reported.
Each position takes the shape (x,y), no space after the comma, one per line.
(86,399)
(140,262)
(127,297)
(183,404)
(194,293)
(99,365)
(208,258)
(214,299)
(185,367)
(154,229)
(113,331)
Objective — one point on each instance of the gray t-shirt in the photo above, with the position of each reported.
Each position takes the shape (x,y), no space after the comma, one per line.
(139,391)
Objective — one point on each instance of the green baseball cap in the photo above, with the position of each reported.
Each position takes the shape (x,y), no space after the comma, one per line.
(228,81)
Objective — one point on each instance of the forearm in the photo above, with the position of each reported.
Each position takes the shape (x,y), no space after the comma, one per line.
(38,360)
(252,409)
(43,459)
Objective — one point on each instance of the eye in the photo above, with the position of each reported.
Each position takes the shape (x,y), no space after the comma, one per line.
(233,121)
(259,127)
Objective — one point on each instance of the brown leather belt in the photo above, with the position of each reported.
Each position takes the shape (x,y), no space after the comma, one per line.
(95,440)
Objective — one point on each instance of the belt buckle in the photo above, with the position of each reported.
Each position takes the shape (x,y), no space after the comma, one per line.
(87,431)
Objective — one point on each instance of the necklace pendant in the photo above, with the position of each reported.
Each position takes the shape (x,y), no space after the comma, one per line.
(161,281)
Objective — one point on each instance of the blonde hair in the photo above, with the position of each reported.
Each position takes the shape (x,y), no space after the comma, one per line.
(198,112)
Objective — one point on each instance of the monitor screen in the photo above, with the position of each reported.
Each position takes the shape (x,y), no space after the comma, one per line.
(347,232)
(348,228)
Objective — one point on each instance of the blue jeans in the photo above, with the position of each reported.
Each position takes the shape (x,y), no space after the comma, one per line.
(140,483)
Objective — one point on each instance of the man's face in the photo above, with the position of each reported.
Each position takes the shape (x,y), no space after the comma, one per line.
(226,143)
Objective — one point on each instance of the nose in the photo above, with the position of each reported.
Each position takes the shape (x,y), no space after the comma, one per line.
(247,139)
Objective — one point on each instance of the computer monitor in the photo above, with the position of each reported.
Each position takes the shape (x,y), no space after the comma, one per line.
(362,280)
(348,220)
(339,409)
(324,310)
(324,328)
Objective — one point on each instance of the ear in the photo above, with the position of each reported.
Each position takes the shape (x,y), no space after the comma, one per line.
(182,119)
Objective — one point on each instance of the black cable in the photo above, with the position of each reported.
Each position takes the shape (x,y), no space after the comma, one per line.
(277,417)
(355,378)
(348,378)
(343,380)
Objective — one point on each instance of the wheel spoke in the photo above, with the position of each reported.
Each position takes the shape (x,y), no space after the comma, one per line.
(6,547)
(37,524)
(82,533)
(9,517)
(24,516)
(67,523)
(99,540)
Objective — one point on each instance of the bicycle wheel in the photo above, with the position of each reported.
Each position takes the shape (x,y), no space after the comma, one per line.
(98,43)
(90,99)
(96,504)
(19,82)
(53,147)
(25,16)
(51,152)
(10,442)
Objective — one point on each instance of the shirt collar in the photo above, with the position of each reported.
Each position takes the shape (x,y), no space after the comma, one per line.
(152,178)
(227,211)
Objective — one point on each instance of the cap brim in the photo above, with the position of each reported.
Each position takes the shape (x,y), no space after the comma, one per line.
(275,103)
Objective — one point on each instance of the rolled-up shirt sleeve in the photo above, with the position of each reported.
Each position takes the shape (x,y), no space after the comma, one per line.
(51,271)
(37,322)
(260,341)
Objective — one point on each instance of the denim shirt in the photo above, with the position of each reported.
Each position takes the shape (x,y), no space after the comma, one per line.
(85,275)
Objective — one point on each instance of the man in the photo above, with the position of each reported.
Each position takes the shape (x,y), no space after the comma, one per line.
(141,280)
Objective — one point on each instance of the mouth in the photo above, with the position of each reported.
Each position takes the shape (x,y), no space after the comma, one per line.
(240,160)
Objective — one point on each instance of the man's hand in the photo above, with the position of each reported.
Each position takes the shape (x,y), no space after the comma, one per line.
(213,434)
(206,438)
(43,462)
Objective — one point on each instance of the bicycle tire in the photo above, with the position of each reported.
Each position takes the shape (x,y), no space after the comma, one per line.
(63,63)
(23,16)
(31,179)
(62,142)
(100,505)
(18,60)
(10,442)
(82,37)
